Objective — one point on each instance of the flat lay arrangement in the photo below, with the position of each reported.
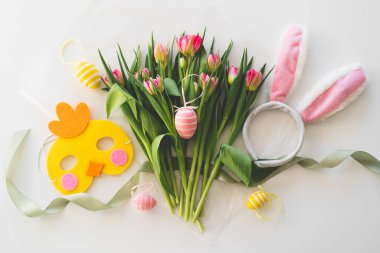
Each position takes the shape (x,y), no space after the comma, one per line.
(184,98)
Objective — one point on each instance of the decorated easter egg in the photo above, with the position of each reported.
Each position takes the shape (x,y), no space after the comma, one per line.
(88,74)
(186,122)
(257,200)
(144,201)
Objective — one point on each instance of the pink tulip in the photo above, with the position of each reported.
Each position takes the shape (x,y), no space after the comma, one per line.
(161,54)
(118,75)
(145,74)
(253,79)
(213,83)
(149,86)
(158,82)
(188,45)
(232,74)
(213,62)
(206,80)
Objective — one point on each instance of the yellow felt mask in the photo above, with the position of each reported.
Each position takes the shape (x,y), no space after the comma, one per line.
(78,136)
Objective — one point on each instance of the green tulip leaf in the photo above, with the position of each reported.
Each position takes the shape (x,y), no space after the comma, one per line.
(116,97)
(237,162)
(171,87)
(156,160)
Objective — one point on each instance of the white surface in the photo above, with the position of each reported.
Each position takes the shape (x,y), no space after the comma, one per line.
(335,210)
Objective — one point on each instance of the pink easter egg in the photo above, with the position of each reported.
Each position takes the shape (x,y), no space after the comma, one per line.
(186,122)
(144,201)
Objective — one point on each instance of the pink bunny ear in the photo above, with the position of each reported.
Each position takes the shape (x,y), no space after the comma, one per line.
(333,93)
(290,63)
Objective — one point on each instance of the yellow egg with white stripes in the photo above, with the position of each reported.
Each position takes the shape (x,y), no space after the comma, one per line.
(88,74)
(257,200)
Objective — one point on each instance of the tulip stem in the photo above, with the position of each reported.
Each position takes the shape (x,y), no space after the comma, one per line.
(181,200)
(207,122)
(198,173)
(206,169)
(166,195)
(202,201)
(191,178)
(172,176)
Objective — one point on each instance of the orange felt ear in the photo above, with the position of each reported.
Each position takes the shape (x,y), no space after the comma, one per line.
(71,122)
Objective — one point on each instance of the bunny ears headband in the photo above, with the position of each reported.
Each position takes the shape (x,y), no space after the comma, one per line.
(327,97)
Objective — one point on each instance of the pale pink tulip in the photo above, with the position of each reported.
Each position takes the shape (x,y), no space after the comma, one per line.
(145,74)
(213,62)
(206,80)
(118,75)
(253,79)
(232,74)
(158,82)
(149,86)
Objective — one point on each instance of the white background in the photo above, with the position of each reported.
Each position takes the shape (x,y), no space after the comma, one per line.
(333,210)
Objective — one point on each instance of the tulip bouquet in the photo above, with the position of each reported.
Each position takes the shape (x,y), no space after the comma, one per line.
(177,101)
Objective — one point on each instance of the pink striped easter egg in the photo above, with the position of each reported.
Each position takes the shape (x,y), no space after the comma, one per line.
(144,201)
(186,122)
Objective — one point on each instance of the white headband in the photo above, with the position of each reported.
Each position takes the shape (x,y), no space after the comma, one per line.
(274,105)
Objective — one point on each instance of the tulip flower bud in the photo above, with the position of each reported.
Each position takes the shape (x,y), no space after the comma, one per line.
(188,45)
(213,84)
(118,76)
(136,75)
(232,74)
(182,63)
(206,80)
(158,82)
(145,74)
(253,79)
(161,55)
(149,86)
(196,87)
(203,79)
(213,62)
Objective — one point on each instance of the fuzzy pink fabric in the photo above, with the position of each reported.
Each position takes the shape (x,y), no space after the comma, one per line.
(334,96)
(286,65)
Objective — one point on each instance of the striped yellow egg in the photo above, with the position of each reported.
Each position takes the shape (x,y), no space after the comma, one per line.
(257,200)
(88,74)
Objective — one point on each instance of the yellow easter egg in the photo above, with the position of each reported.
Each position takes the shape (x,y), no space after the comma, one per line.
(88,74)
(257,200)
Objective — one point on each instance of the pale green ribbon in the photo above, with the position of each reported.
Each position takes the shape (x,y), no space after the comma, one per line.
(29,208)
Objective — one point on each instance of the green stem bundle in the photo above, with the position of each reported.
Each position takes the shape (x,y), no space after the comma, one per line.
(148,100)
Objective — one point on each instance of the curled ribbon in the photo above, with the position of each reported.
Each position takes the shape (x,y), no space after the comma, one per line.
(29,208)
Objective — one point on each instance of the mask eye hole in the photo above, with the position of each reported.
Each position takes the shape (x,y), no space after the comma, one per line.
(68,162)
(105,143)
